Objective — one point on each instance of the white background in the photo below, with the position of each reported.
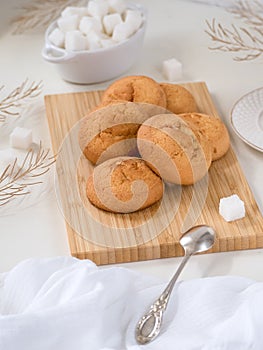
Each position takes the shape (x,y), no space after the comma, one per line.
(175,29)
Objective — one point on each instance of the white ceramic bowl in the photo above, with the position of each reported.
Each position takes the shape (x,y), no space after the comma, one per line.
(86,67)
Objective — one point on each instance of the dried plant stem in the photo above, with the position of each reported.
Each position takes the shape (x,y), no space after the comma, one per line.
(235,40)
(37,15)
(17,97)
(251,12)
(247,42)
(15,181)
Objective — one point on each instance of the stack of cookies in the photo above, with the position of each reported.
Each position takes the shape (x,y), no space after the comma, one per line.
(144,134)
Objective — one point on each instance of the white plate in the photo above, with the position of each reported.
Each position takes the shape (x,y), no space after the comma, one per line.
(247,118)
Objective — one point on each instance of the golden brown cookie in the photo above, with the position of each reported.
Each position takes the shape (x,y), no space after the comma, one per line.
(178,99)
(135,89)
(214,130)
(104,104)
(111,131)
(180,154)
(124,185)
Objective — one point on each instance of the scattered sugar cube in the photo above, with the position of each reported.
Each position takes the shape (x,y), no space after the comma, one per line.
(90,23)
(172,69)
(75,41)
(21,138)
(232,208)
(118,6)
(121,32)
(110,21)
(134,18)
(68,23)
(57,37)
(7,157)
(98,8)
(71,10)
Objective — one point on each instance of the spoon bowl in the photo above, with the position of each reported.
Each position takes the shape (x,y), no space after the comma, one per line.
(198,239)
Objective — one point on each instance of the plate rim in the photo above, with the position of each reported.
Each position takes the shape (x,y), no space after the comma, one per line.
(260,149)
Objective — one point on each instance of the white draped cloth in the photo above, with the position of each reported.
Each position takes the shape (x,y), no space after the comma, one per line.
(65,303)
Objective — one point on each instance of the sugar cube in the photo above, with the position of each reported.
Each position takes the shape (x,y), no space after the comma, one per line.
(93,45)
(110,21)
(71,10)
(172,69)
(232,208)
(7,157)
(118,6)
(75,41)
(107,43)
(68,23)
(57,37)
(134,18)
(98,8)
(93,40)
(97,35)
(21,138)
(121,32)
(88,23)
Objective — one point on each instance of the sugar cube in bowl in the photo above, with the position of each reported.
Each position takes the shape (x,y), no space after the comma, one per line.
(103,43)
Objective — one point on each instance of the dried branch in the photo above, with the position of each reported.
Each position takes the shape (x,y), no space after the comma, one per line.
(37,15)
(250,11)
(248,42)
(16,181)
(17,97)
(237,39)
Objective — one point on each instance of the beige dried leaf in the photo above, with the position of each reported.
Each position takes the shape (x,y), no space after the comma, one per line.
(10,103)
(247,42)
(37,15)
(16,181)
(250,11)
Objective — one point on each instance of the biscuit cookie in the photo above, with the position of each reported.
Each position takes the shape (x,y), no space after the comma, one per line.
(104,104)
(111,131)
(178,99)
(214,130)
(180,154)
(135,89)
(124,185)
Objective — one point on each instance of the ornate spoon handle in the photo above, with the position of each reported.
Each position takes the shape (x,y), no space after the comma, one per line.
(149,325)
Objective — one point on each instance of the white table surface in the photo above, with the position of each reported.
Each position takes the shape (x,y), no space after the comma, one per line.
(175,29)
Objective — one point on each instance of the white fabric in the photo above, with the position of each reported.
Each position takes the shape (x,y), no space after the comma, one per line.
(66,304)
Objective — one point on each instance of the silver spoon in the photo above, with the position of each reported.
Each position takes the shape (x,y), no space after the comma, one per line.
(197,239)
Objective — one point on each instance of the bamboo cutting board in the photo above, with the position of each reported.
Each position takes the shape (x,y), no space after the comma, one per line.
(154,232)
